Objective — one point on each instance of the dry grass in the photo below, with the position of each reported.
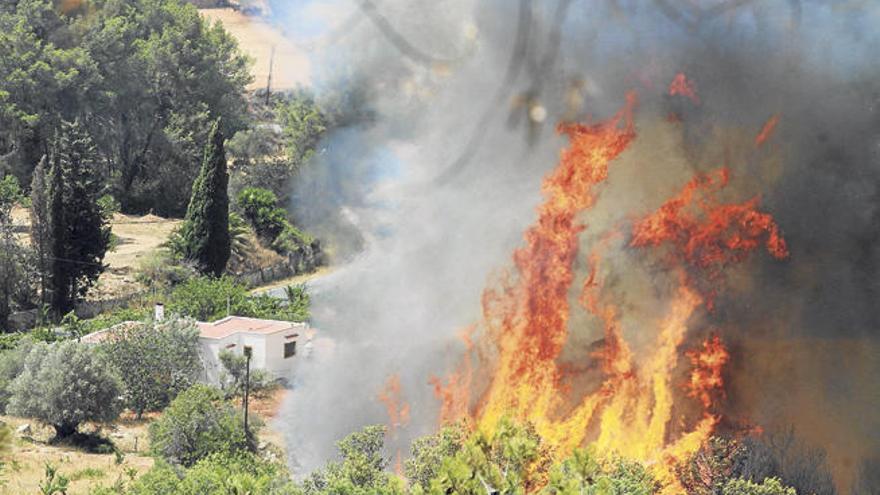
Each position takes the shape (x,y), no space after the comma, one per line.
(257,38)
(138,237)
(25,465)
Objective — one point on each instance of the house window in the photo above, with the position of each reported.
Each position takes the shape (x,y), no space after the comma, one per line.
(289,349)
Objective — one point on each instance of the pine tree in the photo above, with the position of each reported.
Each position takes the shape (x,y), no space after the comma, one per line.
(79,232)
(205,231)
(40,227)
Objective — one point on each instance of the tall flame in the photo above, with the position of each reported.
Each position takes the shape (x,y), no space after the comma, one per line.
(526,315)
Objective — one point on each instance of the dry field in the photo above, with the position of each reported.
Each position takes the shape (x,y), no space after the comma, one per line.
(24,467)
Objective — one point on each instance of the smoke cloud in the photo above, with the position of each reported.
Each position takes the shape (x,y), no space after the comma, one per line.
(421,203)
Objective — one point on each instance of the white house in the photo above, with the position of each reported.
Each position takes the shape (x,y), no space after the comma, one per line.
(276,346)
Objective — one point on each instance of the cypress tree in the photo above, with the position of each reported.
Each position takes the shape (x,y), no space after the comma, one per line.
(40,228)
(79,232)
(205,230)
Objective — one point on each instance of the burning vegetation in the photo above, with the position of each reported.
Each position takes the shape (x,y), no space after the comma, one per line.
(629,409)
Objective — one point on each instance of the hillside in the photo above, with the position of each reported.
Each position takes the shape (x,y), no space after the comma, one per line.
(258,39)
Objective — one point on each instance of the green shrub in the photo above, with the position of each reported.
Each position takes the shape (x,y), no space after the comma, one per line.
(64,384)
(232,378)
(161,270)
(219,473)
(770,486)
(87,474)
(198,423)
(11,365)
(157,361)
(106,320)
(208,299)
(260,208)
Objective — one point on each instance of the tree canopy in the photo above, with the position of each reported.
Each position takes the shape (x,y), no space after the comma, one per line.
(145,77)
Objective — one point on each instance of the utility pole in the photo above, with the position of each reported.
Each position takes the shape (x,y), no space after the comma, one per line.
(247,385)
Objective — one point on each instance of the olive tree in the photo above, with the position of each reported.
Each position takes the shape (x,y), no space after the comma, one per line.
(65,384)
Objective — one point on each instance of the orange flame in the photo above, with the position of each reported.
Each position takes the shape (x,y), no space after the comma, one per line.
(526,315)
(708,364)
(398,410)
(767,130)
(683,86)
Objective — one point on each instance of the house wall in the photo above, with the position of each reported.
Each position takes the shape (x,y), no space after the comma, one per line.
(268,352)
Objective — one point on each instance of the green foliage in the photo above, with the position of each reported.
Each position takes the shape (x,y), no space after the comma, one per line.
(88,473)
(232,378)
(10,195)
(238,473)
(512,461)
(79,231)
(156,360)
(583,474)
(54,483)
(260,208)
(108,206)
(64,384)
(14,257)
(40,231)
(198,423)
(154,71)
(770,486)
(303,125)
(429,452)
(205,231)
(11,365)
(361,470)
(111,318)
(207,299)
(161,270)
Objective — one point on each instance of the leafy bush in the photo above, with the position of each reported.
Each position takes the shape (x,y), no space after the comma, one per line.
(111,318)
(232,378)
(161,270)
(361,470)
(208,299)
(260,208)
(239,473)
(429,452)
(157,361)
(65,384)
(198,423)
(770,486)
(11,365)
